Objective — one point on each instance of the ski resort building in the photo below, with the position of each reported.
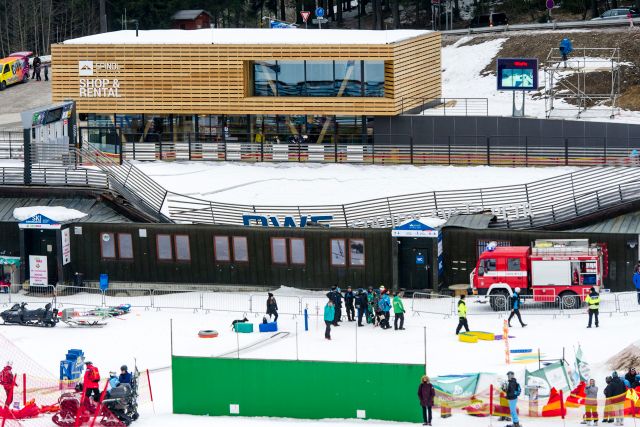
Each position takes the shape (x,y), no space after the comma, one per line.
(247,85)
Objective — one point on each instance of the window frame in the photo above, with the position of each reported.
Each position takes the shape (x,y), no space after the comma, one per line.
(120,257)
(174,241)
(346,257)
(511,260)
(364,253)
(215,251)
(233,249)
(286,252)
(112,237)
(171,258)
(289,247)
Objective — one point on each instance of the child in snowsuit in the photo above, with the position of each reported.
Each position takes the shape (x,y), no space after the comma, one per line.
(7,380)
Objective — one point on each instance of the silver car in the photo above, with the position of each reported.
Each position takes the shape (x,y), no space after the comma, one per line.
(619,13)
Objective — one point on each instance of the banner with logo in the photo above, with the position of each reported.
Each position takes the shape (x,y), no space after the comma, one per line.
(455,391)
(551,376)
(38,273)
(582,367)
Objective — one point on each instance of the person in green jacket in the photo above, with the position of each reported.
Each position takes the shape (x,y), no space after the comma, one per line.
(398,311)
(462,315)
(329,314)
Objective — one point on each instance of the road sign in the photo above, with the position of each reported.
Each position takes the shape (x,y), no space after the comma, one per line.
(305,15)
(320,21)
(319,12)
(550,4)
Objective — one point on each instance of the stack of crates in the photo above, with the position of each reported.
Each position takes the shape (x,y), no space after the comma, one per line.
(71,368)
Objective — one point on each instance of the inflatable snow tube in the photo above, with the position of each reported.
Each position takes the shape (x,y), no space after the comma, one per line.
(485,336)
(208,333)
(467,337)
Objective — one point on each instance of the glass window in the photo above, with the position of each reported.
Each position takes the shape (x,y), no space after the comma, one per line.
(240,250)
(356,252)
(107,245)
(513,264)
(320,78)
(373,78)
(489,265)
(338,252)
(165,251)
(348,78)
(290,78)
(296,247)
(183,252)
(125,246)
(279,250)
(221,248)
(264,78)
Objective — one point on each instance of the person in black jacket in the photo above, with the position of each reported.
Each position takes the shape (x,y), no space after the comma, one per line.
(348,303)
(336,297)
(362,304)
(272,307)
(631,375)
(513,390)
(607,394)
(516,303)
(36,66)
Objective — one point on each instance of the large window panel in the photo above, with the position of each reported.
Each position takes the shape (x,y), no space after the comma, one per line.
(240,249)
(338,253)
(374,78)
(356,252)
(183,251)
(125,246)
(278,250)
(264,78)
(298,255)
(320,77)
(221,248)
(291,78)
(107,245)
(164,247)
(348,78)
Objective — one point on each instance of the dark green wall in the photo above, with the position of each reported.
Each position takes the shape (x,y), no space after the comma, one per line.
(296,389)
(460,251)
(9,239)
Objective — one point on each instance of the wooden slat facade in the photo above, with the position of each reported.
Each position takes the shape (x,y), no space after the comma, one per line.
(215,79)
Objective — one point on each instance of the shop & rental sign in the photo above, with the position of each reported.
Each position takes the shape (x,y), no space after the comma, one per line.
(98,87)
(39,222)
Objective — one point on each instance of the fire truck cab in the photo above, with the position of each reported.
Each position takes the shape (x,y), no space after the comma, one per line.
(553,271)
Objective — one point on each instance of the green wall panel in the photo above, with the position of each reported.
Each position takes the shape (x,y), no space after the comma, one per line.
(296,389)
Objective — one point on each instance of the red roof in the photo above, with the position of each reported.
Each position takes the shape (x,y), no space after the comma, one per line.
(508,251)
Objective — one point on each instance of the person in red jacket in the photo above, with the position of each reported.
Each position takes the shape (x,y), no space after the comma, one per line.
(426,393)
(7,380)
(92,382)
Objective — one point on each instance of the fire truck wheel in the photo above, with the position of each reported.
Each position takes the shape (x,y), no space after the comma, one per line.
(570,301)
(499,300)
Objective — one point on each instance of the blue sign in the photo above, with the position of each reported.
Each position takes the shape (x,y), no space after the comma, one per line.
(319,12)
(414,228)
(419,259)
(39,221)
(287,220)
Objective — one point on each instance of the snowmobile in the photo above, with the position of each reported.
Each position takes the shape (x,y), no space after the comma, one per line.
(19,315)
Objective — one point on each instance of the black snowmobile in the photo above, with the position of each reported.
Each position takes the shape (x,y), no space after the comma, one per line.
(19,315)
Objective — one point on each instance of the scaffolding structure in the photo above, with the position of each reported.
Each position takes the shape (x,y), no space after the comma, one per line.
(561,84)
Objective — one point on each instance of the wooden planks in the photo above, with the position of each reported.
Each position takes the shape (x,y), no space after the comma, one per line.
(215,79)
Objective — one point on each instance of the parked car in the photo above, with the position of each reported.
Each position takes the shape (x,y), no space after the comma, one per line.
(489,20)
(619,13)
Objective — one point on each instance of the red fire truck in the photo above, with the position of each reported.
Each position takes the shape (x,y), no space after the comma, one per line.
(553,271)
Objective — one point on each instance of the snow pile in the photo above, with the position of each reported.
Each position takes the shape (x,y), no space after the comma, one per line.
(251,36)
(56,213)
(314,184)
(433,222)
(629,357)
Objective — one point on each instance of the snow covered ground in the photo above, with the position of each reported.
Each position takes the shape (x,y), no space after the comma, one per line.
(145,335)
(309,184)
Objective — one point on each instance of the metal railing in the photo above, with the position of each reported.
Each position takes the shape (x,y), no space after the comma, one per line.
(11,144)
(605,23)
(433,303)
(55,176)
(445,106)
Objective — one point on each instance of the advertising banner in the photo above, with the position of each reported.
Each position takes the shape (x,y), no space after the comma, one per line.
(38,273)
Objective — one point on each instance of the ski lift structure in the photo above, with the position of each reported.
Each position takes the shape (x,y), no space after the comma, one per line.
(570,75)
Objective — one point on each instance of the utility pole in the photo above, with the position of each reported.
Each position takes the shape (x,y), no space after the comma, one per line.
(103,17)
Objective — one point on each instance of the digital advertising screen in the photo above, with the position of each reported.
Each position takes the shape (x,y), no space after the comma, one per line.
(517,74)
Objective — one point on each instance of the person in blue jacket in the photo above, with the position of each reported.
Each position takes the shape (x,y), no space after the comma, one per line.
(385,308)
(515,307)
(125,375)
(636,283)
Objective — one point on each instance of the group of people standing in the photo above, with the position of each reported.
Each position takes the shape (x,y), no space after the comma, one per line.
(615,393)
(372,306)
(37,67)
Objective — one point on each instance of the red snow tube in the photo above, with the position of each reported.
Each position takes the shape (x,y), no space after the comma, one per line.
(208,333)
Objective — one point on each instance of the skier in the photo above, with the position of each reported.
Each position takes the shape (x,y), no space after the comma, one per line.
(92,382)
(272,307)
(512,388)
(348,303)
(398,311)
(636,283)
(515,307)
(385,308)
(7,380)
(125,376)
(462,315)
(329,313)
(591,403)
(426,393)
(362,303)
(593,300)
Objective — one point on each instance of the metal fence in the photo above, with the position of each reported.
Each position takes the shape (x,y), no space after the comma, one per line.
(11,144)
(445,106)
(604,23)
(55,176)
(433,303)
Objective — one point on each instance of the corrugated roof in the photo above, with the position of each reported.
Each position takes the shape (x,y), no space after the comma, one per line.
(474,221)
(96,211)
(188,14)
(623,224)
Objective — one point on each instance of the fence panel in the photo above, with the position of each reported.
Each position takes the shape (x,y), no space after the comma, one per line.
(133,297)
(5,297)
(628,302)
(487,305)
(314,305)
(432,304)
(72,295)
(220,301)
(182,300)
(286,304)
(549,305)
